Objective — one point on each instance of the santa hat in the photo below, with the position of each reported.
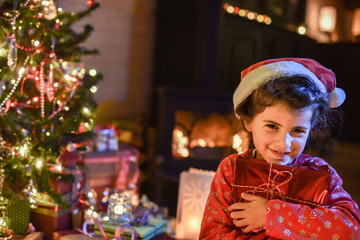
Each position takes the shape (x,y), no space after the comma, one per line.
(261,72)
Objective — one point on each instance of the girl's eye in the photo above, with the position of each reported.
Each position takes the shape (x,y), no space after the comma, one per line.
(271,126)
(297,130)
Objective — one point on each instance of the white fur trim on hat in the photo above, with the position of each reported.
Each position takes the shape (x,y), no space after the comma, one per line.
(337,97)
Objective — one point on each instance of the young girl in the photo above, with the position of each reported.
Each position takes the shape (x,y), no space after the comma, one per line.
(281,103)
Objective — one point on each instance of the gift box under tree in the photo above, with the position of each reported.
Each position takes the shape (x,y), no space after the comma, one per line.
(49,216)
(17,211)
(147,231)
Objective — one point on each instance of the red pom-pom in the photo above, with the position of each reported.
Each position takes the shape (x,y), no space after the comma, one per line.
(90,2)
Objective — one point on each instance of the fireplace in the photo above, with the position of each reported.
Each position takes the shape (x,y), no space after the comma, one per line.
(201,136)
(194,130)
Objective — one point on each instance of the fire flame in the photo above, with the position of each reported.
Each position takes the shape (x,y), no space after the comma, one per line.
(181,146)
(180,143)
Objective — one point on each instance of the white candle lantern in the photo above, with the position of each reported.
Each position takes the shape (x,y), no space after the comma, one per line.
(119,209)
(194,189)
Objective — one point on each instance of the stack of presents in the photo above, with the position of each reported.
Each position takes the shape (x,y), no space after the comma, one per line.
(91,193)
(104,202)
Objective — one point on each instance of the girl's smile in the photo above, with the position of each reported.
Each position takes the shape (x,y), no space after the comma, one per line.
(280,133)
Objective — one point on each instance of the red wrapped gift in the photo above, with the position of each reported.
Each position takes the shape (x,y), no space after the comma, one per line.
(296,184)
(48,219)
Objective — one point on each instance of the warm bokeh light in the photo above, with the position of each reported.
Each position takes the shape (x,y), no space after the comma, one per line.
(355,28)
(260,18)
(301,30)
(92,72)
(230,9)
(180,144)
(36,43)
(39,164)
(327,18)
(251,15)
(267,20)
(242,13)
(93,89)
(237,141)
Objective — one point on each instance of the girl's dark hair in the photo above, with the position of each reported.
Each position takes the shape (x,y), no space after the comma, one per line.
(299,92)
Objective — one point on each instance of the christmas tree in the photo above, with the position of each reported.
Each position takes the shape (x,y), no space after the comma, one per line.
(46,94)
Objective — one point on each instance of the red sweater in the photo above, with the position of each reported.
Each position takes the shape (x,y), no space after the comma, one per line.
(339,220)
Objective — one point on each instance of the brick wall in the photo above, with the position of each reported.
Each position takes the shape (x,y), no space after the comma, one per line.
(123,33)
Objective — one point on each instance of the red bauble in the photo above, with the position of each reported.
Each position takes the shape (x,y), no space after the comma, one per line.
(69,159)
(90,2)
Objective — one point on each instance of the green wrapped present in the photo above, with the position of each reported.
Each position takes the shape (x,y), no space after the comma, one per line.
(17,212)
(145,232)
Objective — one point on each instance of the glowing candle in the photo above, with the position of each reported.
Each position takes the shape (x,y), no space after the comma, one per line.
(193,191)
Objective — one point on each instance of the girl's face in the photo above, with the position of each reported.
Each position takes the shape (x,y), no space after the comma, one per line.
(279,132)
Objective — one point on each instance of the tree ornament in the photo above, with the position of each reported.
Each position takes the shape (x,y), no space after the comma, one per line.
(42,89)
(31,31)
(4,153)
(30,192)
(3,203)
(3,200)
(69,156)
(50,84)
(1,89)
(4,227)
(50,91)
(12,55)
(89,221)
(90,3)
(50,10)
(74,71)
(2,179)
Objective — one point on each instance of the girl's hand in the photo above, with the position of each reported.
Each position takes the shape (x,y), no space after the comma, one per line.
(250,215)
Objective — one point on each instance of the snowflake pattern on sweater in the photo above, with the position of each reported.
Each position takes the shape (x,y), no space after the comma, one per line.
(340,220)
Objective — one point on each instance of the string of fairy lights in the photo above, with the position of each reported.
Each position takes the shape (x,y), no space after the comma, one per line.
(245,13)
(254,16)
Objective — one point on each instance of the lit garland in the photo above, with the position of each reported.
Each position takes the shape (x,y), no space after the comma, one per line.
(6,99)
(27,49)
(261,18)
